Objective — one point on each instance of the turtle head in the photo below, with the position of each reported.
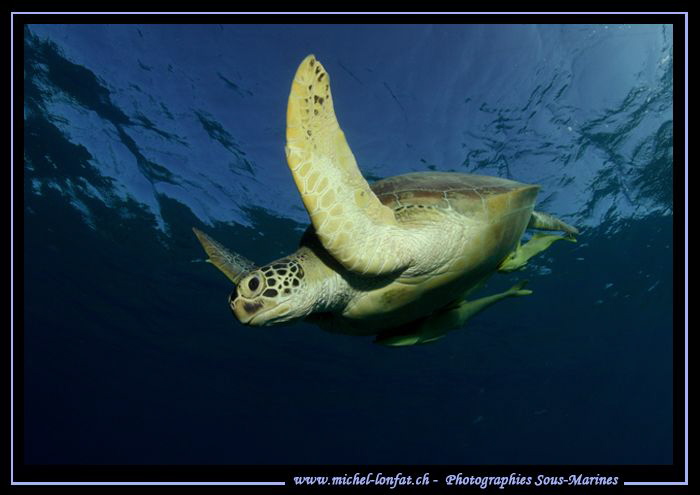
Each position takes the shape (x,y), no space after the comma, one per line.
(271,295)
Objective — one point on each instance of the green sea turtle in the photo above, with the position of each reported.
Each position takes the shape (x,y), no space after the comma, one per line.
(396,258)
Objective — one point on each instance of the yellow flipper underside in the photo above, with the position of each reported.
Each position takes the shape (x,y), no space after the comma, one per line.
(352,224)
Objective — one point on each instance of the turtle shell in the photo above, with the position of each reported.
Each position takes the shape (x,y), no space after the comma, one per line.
(477,196)
(494,214)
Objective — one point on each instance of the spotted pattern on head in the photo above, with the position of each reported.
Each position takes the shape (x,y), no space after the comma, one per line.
(282,277)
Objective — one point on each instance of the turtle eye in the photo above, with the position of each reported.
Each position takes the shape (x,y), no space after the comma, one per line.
(254,283)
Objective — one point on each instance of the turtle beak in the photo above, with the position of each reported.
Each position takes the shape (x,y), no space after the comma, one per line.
(232,301)
(244,310)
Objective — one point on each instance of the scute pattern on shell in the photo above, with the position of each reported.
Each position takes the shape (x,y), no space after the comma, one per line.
(465,193)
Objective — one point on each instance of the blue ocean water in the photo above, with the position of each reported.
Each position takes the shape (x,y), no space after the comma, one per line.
(135,133)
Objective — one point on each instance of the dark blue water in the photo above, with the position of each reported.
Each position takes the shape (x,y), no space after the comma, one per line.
(134,134)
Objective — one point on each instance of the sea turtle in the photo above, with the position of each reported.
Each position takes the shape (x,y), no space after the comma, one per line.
(394,259)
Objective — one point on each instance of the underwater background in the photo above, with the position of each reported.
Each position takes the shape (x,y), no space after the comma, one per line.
(135,133)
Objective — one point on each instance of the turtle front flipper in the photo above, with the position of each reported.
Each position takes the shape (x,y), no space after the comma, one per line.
(233,265)
(454,316)
(352,224)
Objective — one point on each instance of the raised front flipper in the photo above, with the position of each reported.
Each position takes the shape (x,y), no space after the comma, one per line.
(437,325)
(233,265)
(352,224)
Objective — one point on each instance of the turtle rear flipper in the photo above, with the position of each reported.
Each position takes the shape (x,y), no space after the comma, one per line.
(545,221)
(233,265)
(539,242)
(454,316)
(424,333)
